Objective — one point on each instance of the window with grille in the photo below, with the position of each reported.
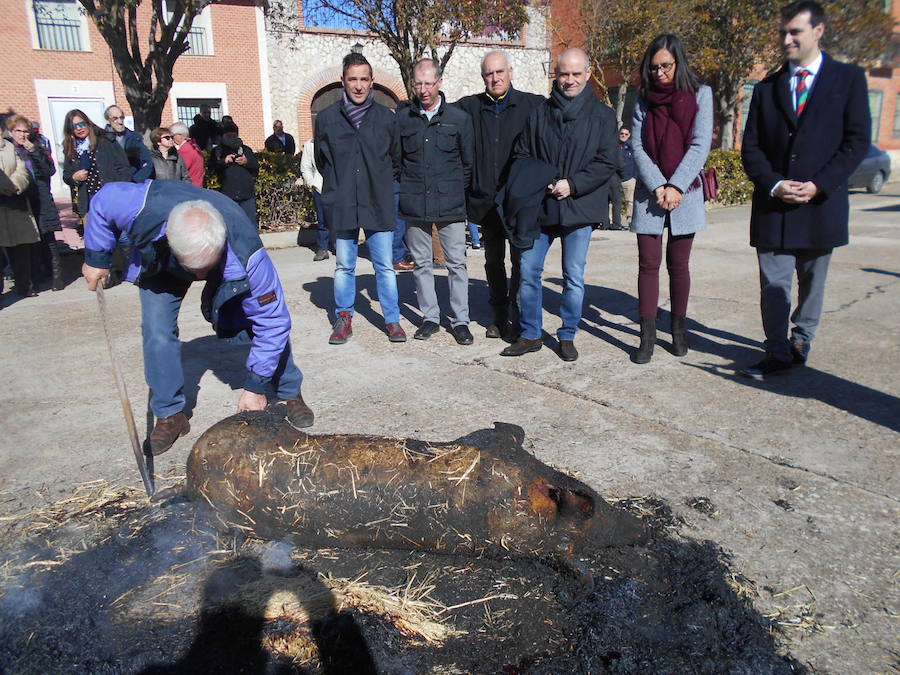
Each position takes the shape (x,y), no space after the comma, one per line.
(58,24)
(199,36)
(188,108)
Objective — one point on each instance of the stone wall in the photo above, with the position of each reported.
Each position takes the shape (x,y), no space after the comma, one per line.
(302,63)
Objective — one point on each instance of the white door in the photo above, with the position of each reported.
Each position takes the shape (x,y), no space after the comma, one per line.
(59,106)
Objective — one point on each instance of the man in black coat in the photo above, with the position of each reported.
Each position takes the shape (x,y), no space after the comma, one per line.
(575,133)
(438,151)
(498,116)
(807,130)
(237,167)
(357,151)
(280,140)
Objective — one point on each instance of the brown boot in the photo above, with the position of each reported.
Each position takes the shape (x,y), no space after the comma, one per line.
(167,431)
(342,329)
(295,412)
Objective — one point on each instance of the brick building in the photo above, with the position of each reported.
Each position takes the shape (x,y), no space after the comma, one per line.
(55,60)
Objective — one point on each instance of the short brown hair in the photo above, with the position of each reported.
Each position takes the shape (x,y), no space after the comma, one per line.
(157,134)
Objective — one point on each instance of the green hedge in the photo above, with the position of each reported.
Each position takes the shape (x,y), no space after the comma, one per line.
(280,202)
(734,186)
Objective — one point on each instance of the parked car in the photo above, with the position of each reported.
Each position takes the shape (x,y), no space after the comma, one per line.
(873,171)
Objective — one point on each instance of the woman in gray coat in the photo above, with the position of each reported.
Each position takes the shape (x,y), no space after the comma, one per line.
(167,162)
(672,132)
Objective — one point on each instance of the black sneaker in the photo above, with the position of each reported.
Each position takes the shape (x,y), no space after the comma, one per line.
(768,366)
(799,352)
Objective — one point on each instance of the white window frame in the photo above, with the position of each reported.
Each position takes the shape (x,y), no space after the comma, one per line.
(84,33)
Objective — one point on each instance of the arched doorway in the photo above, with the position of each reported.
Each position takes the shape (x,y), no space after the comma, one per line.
(331,93)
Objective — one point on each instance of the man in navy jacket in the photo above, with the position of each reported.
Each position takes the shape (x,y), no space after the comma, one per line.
(181,234)
(807,130)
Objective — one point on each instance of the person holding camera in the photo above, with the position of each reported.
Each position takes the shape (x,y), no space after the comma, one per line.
(237,168)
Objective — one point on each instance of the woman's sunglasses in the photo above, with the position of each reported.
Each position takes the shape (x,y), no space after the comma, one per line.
(79,125)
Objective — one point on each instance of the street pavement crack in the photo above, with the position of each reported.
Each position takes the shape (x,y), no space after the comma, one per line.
(879,289)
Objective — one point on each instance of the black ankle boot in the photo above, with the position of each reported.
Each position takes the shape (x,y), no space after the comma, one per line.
(679,335)
(648,340)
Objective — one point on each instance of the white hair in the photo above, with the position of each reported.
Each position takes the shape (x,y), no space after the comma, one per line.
(496,52)
(196,234)
(179,128)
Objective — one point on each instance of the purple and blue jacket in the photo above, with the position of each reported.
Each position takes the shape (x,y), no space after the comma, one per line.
(243,294)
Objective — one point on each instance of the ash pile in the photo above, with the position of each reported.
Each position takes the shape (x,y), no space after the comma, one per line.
(104,582)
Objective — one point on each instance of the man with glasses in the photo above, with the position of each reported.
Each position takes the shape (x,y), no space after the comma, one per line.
(438,151)
(498,117)
(131,142)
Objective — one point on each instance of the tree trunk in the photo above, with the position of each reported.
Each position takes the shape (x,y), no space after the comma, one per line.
(620,104)
(726,108)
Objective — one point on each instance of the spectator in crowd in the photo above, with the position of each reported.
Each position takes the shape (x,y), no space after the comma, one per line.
(189,150)
(237,168)
(621,186)
(281,141)
(188,234)
(807,131)
(41,167)
(205,130)
(438,151)
(575,133)
(40,138)
(168,164)
(90,159)
(498,116)
(672,123)
(18,230)
(131,142)
(357,150)
(313,180)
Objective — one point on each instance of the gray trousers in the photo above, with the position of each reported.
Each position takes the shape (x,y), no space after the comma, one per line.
(776,273)
(453,241)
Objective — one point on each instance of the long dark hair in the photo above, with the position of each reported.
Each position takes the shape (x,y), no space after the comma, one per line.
(685,77)
(69,140)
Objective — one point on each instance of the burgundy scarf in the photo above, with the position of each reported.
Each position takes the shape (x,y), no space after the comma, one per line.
(669,125)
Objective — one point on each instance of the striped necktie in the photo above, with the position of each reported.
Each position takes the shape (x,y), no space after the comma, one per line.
(802,90)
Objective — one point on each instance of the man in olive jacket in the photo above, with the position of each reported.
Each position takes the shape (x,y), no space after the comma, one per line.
(438,149)
(357,152)
(807,131)
(498,117)
(576,133)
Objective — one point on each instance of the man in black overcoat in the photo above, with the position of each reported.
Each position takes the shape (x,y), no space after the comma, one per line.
(807,130)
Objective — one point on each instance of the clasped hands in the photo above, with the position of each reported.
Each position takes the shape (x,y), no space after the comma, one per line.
(795,191)
(668,197)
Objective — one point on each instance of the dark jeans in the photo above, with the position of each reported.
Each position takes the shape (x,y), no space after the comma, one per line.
(678,255)
(321,226)
(249,206)
(401,251)
(502,290)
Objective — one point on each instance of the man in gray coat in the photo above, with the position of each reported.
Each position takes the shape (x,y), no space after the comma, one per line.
(358,154)
(438,149)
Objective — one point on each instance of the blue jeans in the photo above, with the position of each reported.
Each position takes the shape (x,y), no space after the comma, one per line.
(474,237)
(380,248)
(401,252)
(321,226)
(161,297)
(575,241)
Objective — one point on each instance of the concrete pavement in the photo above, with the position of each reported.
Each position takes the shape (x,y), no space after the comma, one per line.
(801,470)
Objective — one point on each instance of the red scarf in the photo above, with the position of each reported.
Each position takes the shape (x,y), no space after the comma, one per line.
(669,125)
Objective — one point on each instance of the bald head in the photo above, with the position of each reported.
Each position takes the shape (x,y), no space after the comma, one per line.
(573,71)
(196,235)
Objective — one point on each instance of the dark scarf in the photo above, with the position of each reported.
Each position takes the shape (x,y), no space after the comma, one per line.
(565,109)
(357,112)
(669,125)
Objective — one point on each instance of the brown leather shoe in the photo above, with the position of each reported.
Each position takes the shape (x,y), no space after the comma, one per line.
(167,431)
(395,332)
(404,266)
(295,412)
(342,329)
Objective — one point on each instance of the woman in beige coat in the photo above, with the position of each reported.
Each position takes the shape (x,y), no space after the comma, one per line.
(18,230)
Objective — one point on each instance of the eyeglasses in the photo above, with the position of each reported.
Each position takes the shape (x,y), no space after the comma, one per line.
(166,138)
(21,131)
(665,67)
(423,85)
(116,117)
(79,125)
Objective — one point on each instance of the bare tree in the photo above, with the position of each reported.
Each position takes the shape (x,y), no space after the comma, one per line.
(413,29)
(146,77)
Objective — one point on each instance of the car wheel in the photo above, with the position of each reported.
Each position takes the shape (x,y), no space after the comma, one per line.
(876,183)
